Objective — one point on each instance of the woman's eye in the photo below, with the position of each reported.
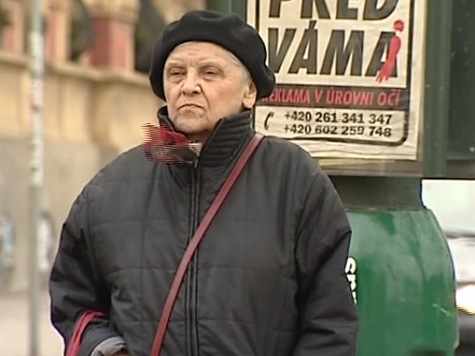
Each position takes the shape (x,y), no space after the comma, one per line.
(211,72)
(175,72)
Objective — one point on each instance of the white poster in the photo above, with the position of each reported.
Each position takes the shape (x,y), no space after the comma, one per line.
(349,73)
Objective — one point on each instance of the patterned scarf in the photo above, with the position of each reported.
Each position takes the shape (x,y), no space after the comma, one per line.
(167,146)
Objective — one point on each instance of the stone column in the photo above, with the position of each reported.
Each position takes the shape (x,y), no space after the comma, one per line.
(58,27)
(13,34)
(114,25)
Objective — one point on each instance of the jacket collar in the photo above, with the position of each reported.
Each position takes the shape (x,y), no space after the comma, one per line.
(224,142)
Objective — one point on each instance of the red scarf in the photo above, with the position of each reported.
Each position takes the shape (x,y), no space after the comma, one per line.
(167,146)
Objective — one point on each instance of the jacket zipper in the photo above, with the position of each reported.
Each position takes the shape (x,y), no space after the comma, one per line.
(193,279)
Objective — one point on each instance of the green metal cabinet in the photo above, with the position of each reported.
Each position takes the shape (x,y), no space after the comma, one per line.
(404,284)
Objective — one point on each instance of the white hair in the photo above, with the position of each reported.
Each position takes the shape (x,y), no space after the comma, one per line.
(245,72)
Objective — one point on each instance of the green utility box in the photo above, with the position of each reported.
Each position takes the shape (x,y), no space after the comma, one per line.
(400,269)
(405,284)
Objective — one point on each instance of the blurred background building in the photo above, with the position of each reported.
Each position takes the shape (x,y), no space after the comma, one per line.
(96,97)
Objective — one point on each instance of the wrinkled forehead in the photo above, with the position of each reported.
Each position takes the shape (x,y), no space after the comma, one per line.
(197,51)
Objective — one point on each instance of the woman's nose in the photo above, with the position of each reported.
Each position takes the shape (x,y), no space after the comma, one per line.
(191,84)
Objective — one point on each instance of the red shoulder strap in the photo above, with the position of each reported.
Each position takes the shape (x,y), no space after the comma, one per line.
(75,343)
(195,241)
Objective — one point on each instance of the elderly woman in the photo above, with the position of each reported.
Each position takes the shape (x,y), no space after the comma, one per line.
(268,278)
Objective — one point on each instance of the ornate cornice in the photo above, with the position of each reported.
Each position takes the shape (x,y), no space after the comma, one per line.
(126,10)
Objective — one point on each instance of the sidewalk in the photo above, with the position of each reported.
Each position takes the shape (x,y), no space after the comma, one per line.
(14,327)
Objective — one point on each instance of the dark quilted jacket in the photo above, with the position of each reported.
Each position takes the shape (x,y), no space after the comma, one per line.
(268,279)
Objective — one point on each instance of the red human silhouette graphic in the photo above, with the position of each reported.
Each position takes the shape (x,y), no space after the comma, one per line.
(394,48)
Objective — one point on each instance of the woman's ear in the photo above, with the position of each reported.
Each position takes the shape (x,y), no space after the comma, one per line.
(250,95)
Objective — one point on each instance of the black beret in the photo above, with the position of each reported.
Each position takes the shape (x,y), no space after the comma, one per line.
(227,31)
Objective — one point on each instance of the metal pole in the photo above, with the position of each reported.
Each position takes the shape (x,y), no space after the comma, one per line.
(223,6)
(37,72)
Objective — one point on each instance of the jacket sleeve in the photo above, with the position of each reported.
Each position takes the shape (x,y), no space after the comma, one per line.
(75,286)
(109,347)
(327,314)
